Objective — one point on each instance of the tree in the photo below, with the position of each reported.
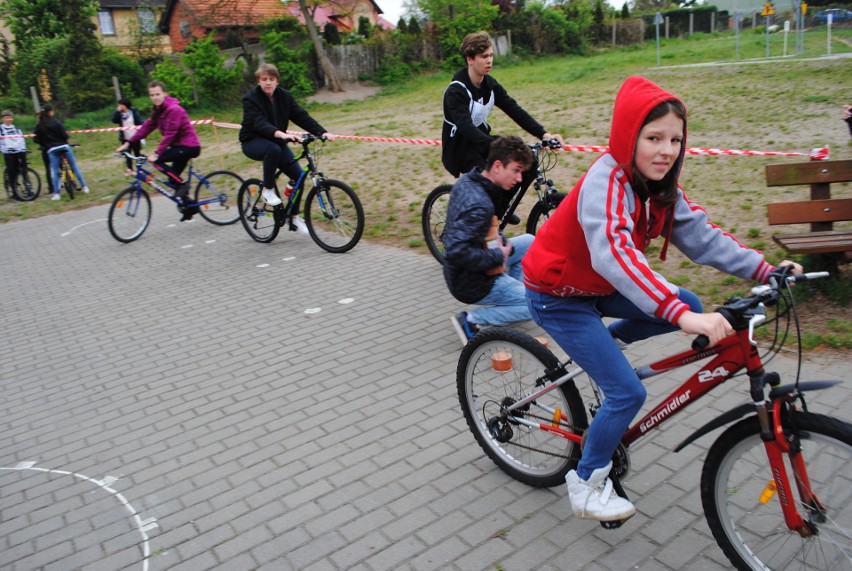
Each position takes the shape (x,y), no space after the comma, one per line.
(33,20)
(328,69)
(213,81)
(625,11)
(86,82)
(331,34)
(455,19)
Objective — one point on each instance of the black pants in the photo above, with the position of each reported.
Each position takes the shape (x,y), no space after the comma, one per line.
(15,163)
(274,156)
(135,149)
(179,157)
(48,174)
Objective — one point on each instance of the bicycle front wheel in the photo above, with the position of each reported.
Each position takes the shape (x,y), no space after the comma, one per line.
(260,220)
(542,210)
(220,190)
(496,369)
(434,220)
(334,216)
(129,214)
(744,514)
(28,185)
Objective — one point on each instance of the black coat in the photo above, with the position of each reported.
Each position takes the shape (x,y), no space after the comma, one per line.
(469,216)
(262,117)
(468,146)
(50,133)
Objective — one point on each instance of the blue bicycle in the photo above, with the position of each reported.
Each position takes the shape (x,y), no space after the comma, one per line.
(215,199)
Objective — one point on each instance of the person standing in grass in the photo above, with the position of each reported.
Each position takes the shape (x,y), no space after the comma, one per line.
(128,117)
(13,145)
(53,138)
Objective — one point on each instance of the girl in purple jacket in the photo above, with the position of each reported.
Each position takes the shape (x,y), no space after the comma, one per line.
(179,143)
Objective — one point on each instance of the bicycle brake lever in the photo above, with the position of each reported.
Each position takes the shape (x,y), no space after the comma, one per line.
(755,320)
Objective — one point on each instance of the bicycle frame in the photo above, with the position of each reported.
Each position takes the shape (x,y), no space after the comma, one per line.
(149,177)
(731,355)
(299,185)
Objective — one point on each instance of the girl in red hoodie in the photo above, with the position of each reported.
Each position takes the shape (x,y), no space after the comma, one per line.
(589,261)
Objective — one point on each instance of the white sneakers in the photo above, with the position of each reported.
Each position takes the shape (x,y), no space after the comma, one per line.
(270,197)
(85,190)
(301,227)
(56,196)
(594,498)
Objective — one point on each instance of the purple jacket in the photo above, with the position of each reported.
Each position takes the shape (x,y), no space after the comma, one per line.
(173,123)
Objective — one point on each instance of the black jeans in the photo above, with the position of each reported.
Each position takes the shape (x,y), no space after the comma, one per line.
(274,156)
(178,157)
(15,163)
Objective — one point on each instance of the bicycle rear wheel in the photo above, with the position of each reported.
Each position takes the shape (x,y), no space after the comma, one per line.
(434,220)
(541,211)
(486,385)
(752,533)
(224,188)
(67,180)
(129,214)
(334,216)
(262,222)
(28,185)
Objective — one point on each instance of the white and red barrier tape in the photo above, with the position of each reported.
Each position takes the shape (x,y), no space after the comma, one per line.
(815,154)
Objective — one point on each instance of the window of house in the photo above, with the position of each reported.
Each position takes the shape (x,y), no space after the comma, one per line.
(184,29)
(106,23)
(147,23)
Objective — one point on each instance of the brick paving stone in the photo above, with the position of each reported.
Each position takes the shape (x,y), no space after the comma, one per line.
(259,436)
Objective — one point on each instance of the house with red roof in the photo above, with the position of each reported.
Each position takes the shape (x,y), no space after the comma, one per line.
(185,20)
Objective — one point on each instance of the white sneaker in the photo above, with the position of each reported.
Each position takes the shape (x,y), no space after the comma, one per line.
(56,196)
(270,197)
(594,498)
(85,190)
(301,227)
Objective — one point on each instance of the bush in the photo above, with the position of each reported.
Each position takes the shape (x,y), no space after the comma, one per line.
(177,81)
(215,83)
(130,76)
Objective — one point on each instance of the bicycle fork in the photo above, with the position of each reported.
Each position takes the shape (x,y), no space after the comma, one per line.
(777,443)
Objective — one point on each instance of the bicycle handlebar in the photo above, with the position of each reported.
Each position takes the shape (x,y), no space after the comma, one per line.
(736,310)
(550,144)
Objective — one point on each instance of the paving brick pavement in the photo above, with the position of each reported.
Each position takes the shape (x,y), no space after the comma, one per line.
(196,400)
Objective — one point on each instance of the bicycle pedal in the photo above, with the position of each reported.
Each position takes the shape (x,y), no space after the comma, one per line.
(615,524)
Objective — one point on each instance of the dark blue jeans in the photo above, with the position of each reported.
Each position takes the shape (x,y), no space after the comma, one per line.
(174,160)
(576,326)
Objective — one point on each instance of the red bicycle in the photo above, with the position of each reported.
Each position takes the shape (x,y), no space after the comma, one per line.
(775,485)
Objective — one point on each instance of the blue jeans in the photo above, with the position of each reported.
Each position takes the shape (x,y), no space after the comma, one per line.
(576,326)
(55,155)
(506,302)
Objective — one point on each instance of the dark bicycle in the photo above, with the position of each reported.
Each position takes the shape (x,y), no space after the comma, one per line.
(333,213)
(26,186)
(434,215)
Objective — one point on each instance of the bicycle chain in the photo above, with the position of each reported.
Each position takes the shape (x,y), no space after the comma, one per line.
(570,427)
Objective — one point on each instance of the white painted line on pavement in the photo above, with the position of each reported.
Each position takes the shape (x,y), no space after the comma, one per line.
(81,225)
(187,246)
(311,310)
(345,300)
(142,526)
(262,266)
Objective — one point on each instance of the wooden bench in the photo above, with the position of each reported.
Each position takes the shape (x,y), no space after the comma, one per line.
(821,211)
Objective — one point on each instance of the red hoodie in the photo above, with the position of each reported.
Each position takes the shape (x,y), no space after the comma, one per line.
(594,243)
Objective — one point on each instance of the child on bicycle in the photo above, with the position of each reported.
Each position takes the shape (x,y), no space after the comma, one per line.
(589,261)
(51,135)
(468,100)
(268,109)
(179,141)
(14,149)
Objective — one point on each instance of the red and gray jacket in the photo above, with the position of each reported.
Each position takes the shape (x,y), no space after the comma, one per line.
(595,242)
